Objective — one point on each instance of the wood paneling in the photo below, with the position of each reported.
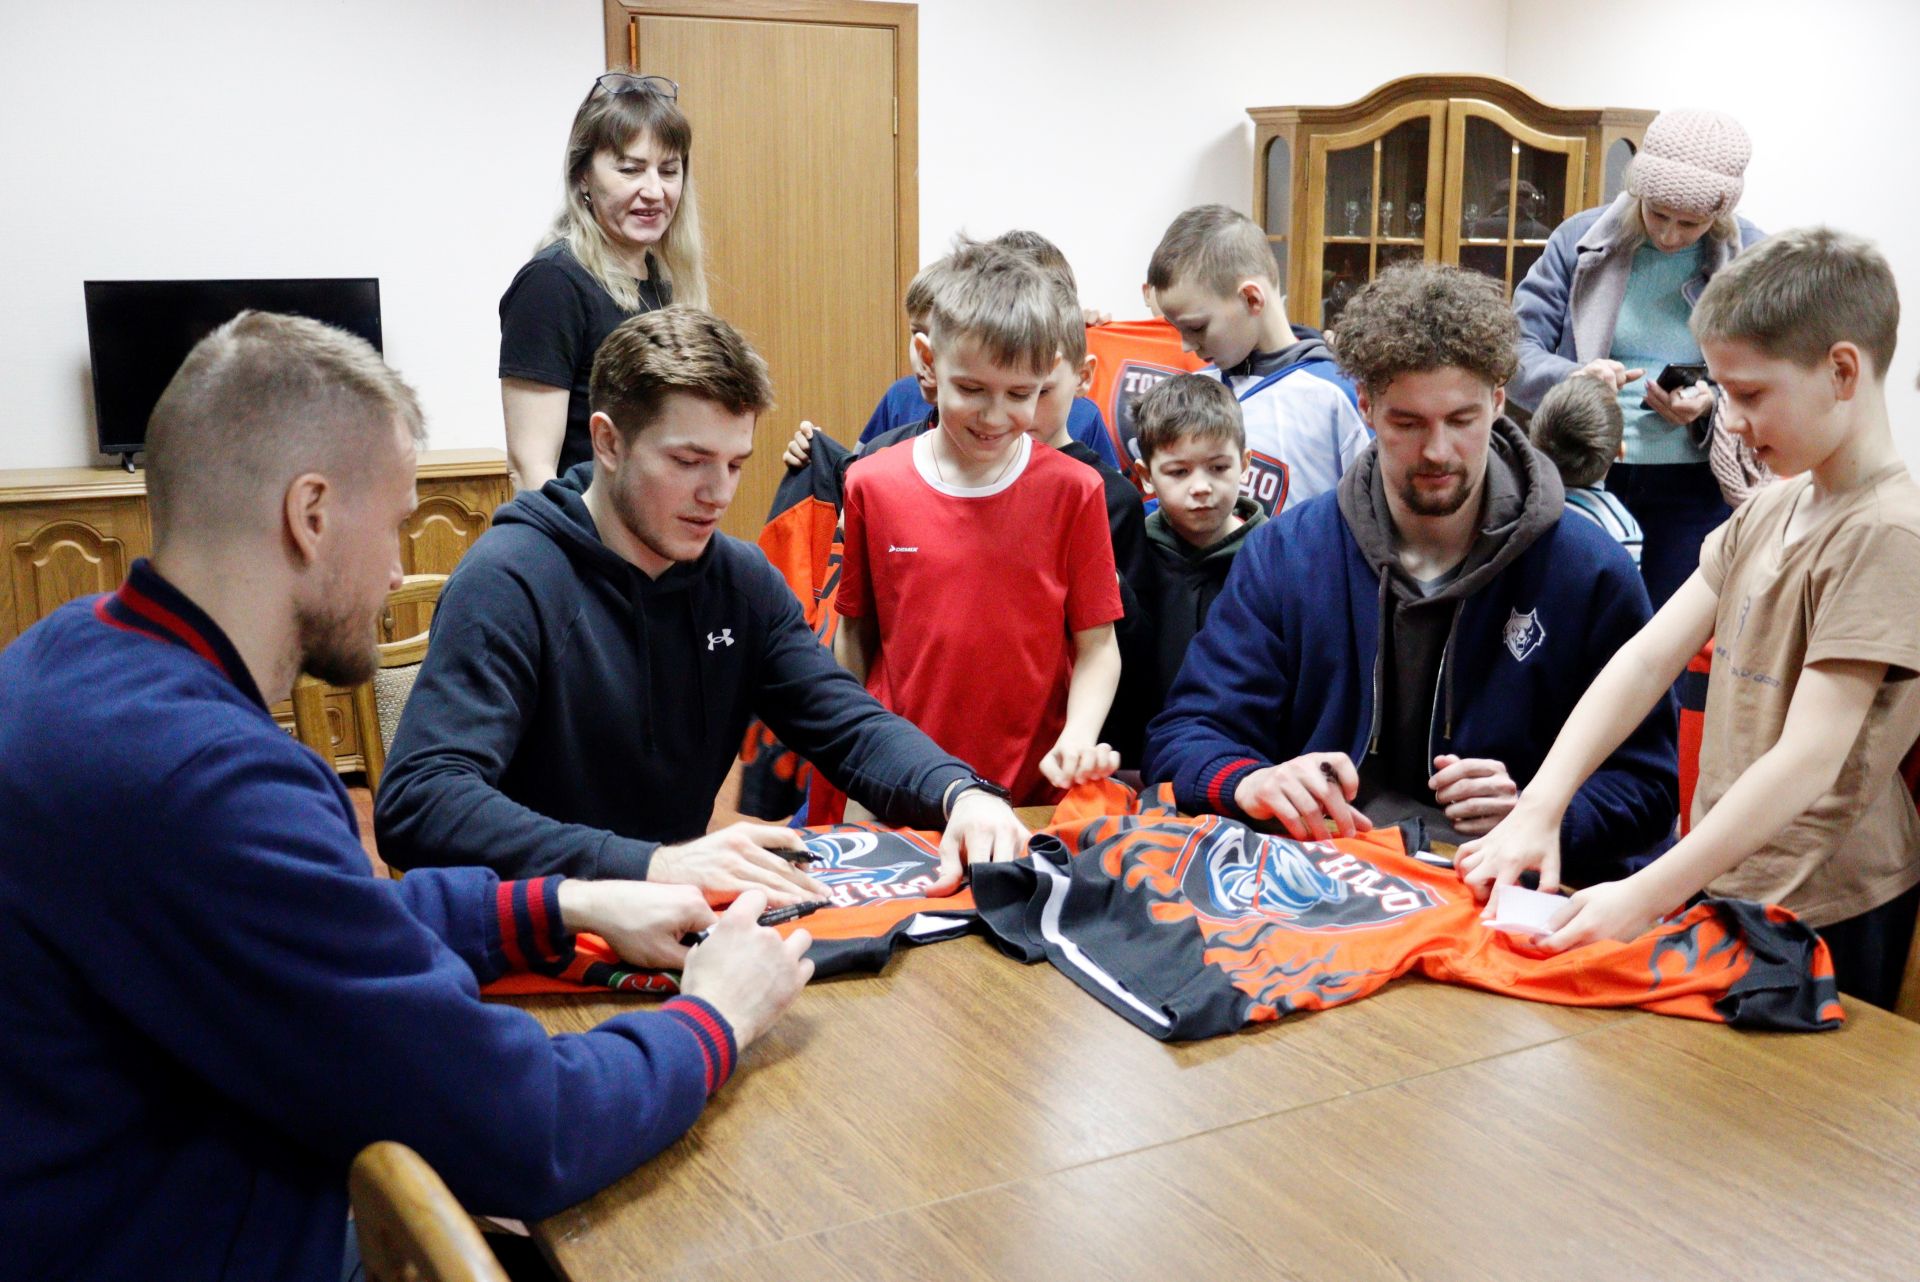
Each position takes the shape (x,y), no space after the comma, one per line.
(804,157)
(73,532)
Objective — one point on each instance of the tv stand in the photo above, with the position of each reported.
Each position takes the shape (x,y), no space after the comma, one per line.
(126,460)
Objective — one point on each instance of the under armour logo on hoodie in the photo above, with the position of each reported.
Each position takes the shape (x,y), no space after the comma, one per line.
(723,637)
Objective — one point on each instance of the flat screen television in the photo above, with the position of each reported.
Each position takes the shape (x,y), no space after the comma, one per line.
(140,330)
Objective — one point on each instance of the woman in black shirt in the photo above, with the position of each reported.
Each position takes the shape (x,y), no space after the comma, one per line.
(626,241)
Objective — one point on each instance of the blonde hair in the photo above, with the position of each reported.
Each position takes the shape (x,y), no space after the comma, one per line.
(1633,226)
(256,403)
(1005,303)
(608,122)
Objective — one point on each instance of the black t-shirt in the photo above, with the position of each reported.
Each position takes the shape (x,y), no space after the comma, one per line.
(553,318)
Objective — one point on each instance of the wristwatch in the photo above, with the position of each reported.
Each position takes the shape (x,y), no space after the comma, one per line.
(973,783)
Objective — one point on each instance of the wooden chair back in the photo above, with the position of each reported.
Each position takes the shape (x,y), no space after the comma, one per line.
(410,1227)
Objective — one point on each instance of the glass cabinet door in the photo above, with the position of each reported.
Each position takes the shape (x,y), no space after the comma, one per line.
(1508,186)
(1378,185)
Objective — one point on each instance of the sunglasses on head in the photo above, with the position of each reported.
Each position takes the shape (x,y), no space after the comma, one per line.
(618,82)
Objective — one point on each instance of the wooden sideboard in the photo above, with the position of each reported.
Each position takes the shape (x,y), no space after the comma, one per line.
(73,531)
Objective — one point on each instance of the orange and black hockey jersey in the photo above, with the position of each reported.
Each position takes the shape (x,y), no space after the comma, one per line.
(1133,356)
(878,880)
(1196,927)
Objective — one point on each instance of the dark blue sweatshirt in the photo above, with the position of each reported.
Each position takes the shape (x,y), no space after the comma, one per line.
(1288,663)
(574,713)
(211,1004)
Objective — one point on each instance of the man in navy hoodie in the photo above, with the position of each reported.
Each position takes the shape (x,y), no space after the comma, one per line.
(1407,645)
(211,1002)
(598,655)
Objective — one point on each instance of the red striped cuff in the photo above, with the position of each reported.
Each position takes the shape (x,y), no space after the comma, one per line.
(531,932)
(711,1031)
(1221,780)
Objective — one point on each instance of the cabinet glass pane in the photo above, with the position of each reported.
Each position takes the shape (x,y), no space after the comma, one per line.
(1403,178)
(1349,190)
(1343,270)
(1279,187)
(1542,192)
(1617,157)
(1510,190)
(1524,257)
(1488,260)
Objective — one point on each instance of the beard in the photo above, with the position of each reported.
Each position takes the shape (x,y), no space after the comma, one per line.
(337,644)
(1444,503)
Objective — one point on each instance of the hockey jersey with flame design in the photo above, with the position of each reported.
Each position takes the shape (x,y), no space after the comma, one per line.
(1195,927)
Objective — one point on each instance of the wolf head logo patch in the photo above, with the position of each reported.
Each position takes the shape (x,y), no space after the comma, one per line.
(1523,634)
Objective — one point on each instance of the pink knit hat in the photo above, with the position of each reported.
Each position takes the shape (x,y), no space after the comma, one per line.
(1691,162)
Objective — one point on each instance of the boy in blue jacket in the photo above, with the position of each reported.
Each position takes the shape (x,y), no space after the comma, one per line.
(1406,646)
(212,1003)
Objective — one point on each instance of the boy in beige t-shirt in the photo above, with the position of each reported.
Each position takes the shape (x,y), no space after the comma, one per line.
(1811,592)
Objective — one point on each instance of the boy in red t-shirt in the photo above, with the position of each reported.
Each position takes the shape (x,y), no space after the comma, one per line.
(978,584)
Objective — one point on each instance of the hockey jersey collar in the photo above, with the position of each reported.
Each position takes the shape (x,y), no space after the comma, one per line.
(147,604)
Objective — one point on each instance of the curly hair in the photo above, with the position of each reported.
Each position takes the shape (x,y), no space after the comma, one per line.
(1415,317)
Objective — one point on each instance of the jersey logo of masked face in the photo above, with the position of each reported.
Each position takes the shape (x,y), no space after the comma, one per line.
(859,866)
(1238,877)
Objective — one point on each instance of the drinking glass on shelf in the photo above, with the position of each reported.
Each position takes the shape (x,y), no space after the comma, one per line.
(1353,218)
(1472,217)
(1386,218)
(1416,215)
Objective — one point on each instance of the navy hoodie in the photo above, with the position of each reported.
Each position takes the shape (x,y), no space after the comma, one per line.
(211,1003)
(573,713)
(1287,664)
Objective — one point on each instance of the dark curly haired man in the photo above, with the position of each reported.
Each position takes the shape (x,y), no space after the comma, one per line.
(1407,645)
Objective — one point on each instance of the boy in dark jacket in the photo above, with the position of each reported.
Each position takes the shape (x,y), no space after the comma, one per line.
(1407,645)
(1193,451)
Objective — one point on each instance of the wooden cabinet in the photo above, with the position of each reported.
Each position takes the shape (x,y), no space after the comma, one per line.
(66,533)
(1459,169)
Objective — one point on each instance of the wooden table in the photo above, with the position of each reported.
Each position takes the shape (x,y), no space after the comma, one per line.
(964,1116)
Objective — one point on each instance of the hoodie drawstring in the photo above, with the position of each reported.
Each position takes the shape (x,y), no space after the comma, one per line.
(1379,663)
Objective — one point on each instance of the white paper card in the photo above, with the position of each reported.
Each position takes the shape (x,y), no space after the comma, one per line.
(1519,911)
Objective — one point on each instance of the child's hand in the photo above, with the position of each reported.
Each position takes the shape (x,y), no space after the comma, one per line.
(800,448)
(1094,316)
(1072,762)
(1521,842)
(1612,910)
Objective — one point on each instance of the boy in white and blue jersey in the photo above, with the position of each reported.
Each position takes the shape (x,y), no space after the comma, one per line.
(1579,427)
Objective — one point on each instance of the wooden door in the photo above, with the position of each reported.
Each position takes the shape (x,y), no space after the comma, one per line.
(1376,186)
(56,553)
(804,184)
(1508,186)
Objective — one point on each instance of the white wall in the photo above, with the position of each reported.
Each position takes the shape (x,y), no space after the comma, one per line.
(416,140)
(1830,94)
(1129,111)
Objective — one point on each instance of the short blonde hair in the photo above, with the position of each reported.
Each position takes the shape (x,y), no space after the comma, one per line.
(608,122)
(259,401)
(1795,294)
(1004,303)
(675,349)
(1215,246)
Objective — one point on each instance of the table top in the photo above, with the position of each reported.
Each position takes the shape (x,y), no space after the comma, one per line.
(965,1116)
